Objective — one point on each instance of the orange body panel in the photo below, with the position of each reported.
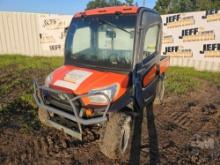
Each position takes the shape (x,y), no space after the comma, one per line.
(97,80)
(164,64)
(109,10)
(150,76)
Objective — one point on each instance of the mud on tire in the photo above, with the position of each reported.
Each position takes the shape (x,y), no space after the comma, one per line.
(117,136)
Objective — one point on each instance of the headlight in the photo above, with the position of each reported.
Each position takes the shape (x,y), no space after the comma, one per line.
(48,80)
(110,91)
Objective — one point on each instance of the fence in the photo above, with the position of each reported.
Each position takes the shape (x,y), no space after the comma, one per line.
(32,33)
(190,39)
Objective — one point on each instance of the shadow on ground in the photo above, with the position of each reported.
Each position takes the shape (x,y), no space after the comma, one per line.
(136,146)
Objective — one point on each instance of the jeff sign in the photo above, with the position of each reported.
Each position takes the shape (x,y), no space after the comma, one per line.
(192,35)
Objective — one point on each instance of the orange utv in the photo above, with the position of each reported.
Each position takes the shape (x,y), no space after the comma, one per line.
(113,69)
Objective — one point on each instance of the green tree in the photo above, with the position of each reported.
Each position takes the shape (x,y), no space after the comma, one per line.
(97,3)
(162,6)
(175,6)
(105,3)
(102,3)
(207,4)
(114,2)
(129,2)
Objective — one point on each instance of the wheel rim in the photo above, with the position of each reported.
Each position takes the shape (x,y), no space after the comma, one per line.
(125,135)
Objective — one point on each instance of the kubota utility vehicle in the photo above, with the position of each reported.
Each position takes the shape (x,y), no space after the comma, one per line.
(113,68)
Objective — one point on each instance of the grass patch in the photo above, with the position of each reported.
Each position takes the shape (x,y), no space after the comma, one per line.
(181,80)
(16,78)
(26,62)
(17,71)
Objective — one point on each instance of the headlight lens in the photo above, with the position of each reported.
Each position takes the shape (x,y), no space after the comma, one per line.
(48,80)
(101,99)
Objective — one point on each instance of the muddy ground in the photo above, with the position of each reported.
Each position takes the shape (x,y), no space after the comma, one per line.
(183,130)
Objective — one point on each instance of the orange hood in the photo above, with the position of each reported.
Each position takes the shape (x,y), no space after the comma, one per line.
(72,79)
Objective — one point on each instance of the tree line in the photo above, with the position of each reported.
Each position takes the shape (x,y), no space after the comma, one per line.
(163,6)
(105,3)
(177,6)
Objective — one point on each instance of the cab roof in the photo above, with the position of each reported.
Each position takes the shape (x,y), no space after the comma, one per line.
(109,10)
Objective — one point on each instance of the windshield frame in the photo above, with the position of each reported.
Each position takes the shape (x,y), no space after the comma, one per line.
(71,61)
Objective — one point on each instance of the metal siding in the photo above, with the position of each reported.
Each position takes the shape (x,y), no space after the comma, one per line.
(5,32)
(19,38)
(21,49)
(34,35)
(12,28)
(30,34)
(2,44)
(11,42)
(27,34)
(15,32)
(24,34)
(19,34)
(36,31)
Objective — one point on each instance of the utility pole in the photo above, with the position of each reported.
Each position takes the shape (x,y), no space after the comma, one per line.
(144,2)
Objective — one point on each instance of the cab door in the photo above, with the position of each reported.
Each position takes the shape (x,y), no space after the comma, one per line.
(148,65)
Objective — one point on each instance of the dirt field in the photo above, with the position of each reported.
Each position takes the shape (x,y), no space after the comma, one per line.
(184,130)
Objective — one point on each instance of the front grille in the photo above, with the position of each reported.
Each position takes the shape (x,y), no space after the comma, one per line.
(57,101)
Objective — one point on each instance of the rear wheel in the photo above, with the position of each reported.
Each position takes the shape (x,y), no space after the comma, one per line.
(43,116)
(117,135)
(160,90)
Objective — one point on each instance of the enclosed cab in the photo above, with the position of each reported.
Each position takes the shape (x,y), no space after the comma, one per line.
(113,68)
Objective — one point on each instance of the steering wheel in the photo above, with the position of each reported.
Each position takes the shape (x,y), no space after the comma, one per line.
(116,59)
(113,58)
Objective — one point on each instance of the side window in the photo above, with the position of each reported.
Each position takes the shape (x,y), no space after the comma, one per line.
(150,41)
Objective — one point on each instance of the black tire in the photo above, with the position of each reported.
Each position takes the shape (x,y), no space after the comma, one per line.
(160,90)
(117,136)
(43,116)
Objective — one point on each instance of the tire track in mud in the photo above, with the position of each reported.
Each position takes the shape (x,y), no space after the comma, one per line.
(181,119)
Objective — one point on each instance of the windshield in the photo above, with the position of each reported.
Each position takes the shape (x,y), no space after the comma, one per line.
(101,41)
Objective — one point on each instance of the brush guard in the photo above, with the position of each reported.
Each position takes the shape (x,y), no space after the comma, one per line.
(38,96)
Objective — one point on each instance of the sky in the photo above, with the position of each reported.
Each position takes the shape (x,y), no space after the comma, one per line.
(53,6)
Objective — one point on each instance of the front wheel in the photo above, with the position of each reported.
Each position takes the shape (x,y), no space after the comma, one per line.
(117,135)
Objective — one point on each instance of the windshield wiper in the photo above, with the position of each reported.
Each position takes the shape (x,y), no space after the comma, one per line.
(114,25)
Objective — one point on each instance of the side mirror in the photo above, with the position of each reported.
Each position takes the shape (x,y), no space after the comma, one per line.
(110,33)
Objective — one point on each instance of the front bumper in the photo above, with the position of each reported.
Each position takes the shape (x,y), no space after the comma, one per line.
(75,116)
